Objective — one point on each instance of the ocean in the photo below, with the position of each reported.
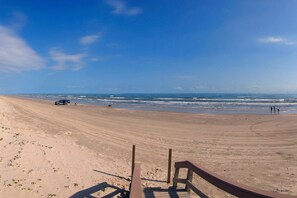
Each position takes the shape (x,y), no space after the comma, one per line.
(191,103)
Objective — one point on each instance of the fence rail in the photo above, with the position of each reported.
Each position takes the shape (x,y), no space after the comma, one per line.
(224,184)
(136,190)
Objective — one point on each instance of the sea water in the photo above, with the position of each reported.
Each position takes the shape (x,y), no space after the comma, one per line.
(214,103)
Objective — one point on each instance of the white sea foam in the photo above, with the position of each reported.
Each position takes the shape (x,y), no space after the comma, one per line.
(185,103)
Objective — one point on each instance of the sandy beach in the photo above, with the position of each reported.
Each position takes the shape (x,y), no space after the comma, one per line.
(61,151)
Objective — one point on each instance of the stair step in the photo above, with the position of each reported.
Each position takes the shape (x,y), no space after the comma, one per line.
(169,194)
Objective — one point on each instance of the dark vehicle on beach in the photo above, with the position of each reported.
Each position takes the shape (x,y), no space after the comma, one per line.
(62,102)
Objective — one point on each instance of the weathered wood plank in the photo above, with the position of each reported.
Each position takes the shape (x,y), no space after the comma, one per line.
(136,190)
(226,184)
(170,194)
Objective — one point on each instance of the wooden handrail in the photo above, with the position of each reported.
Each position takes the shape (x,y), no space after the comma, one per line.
(224,184)
(136,190)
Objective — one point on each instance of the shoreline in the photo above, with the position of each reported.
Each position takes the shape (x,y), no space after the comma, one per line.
(160,110)
(258,150)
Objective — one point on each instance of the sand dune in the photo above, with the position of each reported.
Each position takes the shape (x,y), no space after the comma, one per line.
(58,151)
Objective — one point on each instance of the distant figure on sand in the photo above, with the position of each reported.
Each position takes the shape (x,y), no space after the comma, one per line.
(271,109)
(274,109)
(278,111)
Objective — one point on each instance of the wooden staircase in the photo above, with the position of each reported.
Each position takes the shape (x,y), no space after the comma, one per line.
(137,192)
(169,194)
(227,185)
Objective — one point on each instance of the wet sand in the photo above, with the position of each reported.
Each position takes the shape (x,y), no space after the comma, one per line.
(59,151)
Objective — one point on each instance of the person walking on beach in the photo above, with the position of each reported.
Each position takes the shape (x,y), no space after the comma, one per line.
(274,109)
(271,109)
(278,111)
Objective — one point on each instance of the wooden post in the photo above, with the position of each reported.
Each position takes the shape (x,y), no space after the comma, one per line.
(189,179)
(175,177)
(169,166)
(133,160)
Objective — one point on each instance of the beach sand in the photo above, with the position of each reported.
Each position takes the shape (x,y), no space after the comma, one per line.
(61,151)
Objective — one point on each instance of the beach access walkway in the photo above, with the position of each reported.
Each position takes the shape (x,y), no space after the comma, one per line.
(225,184)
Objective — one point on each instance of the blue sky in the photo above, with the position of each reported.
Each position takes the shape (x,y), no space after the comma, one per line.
(148,46)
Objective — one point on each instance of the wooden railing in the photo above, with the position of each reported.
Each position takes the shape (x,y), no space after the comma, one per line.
(224,184)
(135,189)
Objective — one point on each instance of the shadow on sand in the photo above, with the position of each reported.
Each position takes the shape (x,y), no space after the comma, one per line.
(128,179)
(171,191)
(121,193)
(87,193)
(150,192)
(112,175)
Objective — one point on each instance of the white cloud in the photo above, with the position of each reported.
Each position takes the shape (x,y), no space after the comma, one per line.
(179,88)
(66,61)
(94,59)
(89,39)
(15,54)
(275,40)
(120,7)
